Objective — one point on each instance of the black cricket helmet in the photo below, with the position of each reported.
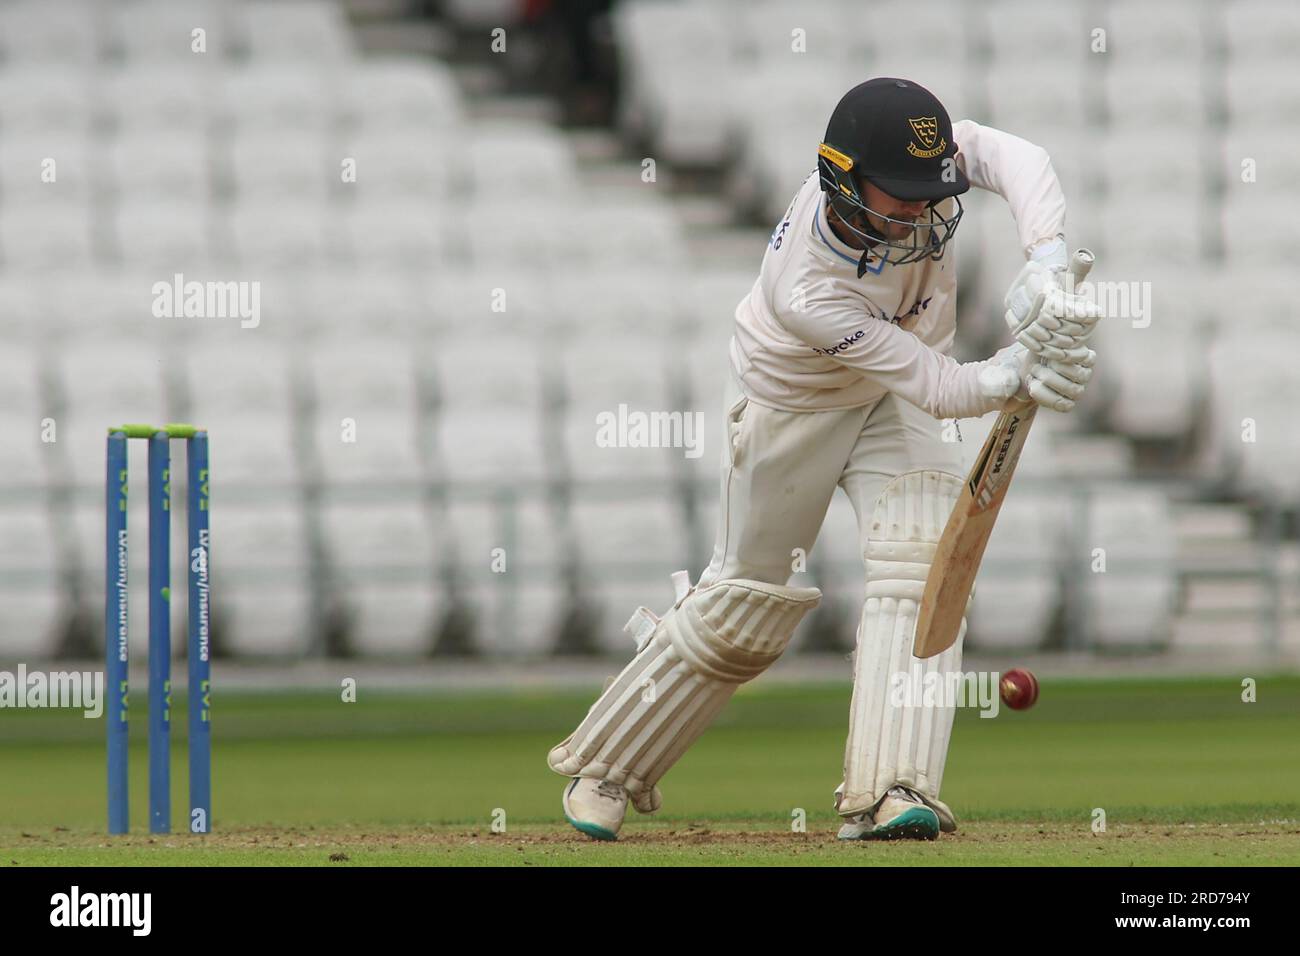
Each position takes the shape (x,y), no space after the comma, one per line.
(896,135)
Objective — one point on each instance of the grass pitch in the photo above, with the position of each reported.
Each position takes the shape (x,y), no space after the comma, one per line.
(1186,773)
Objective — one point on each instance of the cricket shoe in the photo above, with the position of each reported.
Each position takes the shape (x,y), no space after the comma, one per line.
(595,807)
(901,815)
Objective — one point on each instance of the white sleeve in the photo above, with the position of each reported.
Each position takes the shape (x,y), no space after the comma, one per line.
(1019,172)
(893,358)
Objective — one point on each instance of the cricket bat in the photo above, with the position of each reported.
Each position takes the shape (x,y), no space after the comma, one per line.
(961,548)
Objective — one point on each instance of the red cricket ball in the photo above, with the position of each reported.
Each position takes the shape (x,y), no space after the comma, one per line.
(1019,689)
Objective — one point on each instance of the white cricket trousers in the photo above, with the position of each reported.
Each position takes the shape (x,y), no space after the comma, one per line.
(780,469)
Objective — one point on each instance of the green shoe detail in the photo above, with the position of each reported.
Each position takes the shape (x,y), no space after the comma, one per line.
(918,823)
(592,830)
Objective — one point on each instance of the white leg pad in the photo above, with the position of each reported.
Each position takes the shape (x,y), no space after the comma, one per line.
(711,642)
(890,745)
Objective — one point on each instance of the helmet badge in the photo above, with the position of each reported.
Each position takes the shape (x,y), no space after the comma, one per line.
(926,129)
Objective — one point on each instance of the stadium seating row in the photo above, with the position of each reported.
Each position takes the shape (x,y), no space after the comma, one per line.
(82,33)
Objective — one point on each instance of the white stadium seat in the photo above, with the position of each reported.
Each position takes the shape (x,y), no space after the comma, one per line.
(1260,31)
(20,382)
(241,373)
(261,562)
(891,26)
(66,35)
(492,445)
(30,460)
(492,303)
(541,234)
(1170,102)
(1154,340)
(384,554)
(159,100)
(1133,170)
(601,383)
(1252,437)
(112,303)
(152,31)
(399,93)
(628,547)
(1019,571)
(48,167)
(169,236)
(44,98)
(778,37)
(633,299)
(405,164)
(1055,97)
(508,554)
(278,96)
(353,303)
(282,235)
(269,164)
(464,380)
(1250,297)
(396,234)
(32,600)
(514,160)
(1155,32)
(630,368)
(175,168)
(1171,235)
(135,391)
(1259,224)
(1256,99)
(374,446)
(25,420)
(1131,602)
(670,52)
(1044,38)
(1258,156)
(259,454)
(285,31)
(47,237)
(366,412)
(606,234)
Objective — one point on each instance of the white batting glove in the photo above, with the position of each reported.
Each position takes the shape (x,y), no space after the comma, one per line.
(1015,372)
(1001,375)
(1049,320)
(1059,385)
(1062,324)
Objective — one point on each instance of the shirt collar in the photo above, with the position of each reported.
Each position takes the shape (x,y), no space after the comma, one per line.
(822,227)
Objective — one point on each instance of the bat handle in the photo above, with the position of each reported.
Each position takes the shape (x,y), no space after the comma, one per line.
(1081,264)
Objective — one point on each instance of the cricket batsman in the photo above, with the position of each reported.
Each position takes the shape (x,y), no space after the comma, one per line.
(840,377)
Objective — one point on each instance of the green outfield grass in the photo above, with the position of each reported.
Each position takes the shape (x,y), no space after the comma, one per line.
(1186,772)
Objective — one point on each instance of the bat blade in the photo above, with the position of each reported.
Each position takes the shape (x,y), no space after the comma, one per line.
(961,547)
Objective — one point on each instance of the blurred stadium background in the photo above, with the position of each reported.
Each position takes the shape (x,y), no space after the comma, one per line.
(522,171)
